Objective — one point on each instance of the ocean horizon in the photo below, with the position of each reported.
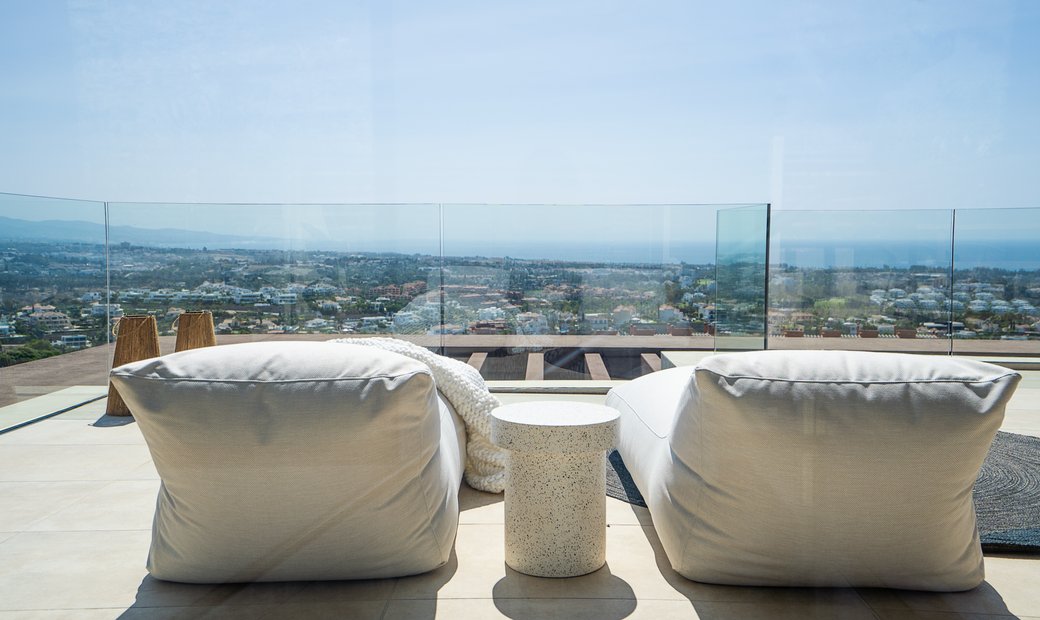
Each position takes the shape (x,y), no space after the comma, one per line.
(1009,254)
(1006,254)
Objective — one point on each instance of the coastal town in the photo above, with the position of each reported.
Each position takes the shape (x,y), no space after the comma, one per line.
(56,293)
(56,297)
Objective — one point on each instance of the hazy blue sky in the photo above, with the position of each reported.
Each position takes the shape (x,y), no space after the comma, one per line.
(810,105)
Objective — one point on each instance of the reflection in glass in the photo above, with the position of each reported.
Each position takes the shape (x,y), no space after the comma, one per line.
(520,291)
(52,297)
(996,287)
(874,280)
(308,271)
(576,291)
(741,278)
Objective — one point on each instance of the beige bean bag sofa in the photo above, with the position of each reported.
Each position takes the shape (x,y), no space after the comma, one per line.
(816,468)
(296,461)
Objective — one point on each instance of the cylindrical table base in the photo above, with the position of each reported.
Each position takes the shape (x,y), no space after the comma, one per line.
(556,513)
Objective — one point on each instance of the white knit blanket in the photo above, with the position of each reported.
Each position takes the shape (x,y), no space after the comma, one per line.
(465,389)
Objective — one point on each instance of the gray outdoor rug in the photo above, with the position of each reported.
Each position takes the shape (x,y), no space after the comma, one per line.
(1007,493)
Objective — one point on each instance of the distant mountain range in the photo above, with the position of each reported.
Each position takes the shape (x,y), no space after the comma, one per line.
(89,232)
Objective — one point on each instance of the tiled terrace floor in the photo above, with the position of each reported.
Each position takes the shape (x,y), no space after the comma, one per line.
(77,493)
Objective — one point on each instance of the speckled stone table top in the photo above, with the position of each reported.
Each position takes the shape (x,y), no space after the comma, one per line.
(554,426)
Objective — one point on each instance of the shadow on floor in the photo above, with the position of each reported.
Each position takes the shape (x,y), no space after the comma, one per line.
(365,598)
(113,420)
(598,595)
(304,599)
(720,602)
(471,499)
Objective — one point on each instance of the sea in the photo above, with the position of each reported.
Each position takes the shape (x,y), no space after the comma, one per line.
(1007,255)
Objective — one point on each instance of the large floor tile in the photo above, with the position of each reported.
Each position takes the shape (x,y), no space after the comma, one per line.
(476,563)
(294,599)
(1017,580)
(119,505)
(216,612)
(144,471)
(59,432)
(83,462)
(64,614)
(71,570)
(26,503)
(354,610)
(623,513)
(982,600)
(601,584)
(332,592)
(785,609)
(155,593)
(912,614)
(1012,586)
(1023,412)
(1030,379)
(44,400)
(541,609)
(635,556)
(1026,398)
(617,609)
(479,507)
(90,411)
(477,569)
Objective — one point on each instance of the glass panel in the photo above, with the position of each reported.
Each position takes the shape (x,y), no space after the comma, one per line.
(873,280)
(996,288)
(575,292)
(53,321)
(267,271)
(741,246)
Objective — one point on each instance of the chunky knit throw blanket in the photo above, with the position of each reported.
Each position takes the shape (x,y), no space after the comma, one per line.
(465,389)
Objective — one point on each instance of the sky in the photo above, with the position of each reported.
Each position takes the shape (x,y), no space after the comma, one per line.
(806,105)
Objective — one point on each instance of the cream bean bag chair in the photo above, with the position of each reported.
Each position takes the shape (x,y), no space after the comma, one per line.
(296,461)
(816,468)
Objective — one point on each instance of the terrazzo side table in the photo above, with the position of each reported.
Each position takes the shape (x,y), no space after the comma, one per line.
(555,504)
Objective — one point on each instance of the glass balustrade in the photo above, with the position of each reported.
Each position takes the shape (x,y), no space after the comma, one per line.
(870,280)
(577,291)
(53,303)
(522,292)
(741,264)
(269,271)
(922,281)
(996,282)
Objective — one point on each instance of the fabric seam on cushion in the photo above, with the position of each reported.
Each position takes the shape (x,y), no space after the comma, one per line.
(270,382)
(420,477)
(861,381)
(683,564)
(634,411)
(696,502)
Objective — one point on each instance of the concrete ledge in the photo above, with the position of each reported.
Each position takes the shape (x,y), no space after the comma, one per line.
(1014,363)
(673,359)
(51,404)
(552,387)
